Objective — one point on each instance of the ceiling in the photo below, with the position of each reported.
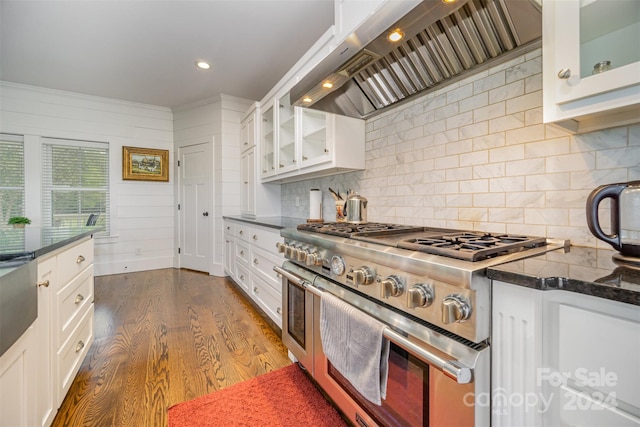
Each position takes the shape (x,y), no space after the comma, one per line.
(144,50)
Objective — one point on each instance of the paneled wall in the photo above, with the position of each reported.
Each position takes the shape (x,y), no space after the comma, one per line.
(142,212)
(476,155)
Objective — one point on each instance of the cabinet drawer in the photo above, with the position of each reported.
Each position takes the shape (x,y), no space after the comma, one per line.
(243,231)
(72,261)
(242,277)
(242,252)
(72,301)
(263,263)
(267,298)
(266,239)
(71,355)
(229,228)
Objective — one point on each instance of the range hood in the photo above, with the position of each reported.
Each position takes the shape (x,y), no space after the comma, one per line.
(442,40)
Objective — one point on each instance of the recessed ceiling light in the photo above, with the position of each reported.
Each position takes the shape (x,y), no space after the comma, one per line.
(307,100)
(396,35)
(449,1)
(327,85)
(203,65)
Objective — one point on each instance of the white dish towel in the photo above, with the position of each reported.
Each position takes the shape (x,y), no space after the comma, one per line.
(354,344)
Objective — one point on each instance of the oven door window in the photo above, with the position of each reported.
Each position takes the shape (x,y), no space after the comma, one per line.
(407,392)
(296,313)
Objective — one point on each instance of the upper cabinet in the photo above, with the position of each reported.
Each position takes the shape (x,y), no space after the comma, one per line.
(591,63)
(309,143)
(267,142)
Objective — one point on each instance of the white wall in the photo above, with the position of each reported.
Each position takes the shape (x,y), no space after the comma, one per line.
(142,213)
(217,121)
(476,155)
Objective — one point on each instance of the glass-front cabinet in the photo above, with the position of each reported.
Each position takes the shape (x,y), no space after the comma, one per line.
(591,60)
(314,137)
(287,153)
(267,144)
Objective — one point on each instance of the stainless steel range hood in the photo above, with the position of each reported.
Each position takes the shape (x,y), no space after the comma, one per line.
(441,42)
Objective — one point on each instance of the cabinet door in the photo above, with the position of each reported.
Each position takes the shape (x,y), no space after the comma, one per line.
(46,397)
(267,152)
(248,167)
(248,133)
(314,137)
(286,135)
(589,59)
(18,382)
(229,255)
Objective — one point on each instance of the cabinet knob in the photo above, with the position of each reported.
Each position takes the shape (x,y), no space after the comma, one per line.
(79,298)
(242,277)
(255,289)
(255,237)
(255,261)
(281,165)
(241,252)
(279,310)
(264,171)
(79,346)
(80,259)
(305,158)
(44,283)
(241,232)
(564,73)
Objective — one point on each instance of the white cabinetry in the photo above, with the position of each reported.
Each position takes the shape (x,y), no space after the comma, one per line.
(250,255)
(561,358)
(311,143)
(578,35)
(18,384)
(267,142)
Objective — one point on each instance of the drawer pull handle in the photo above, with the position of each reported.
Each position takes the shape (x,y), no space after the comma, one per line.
(241,232)
(255,237)
(279,310)
(80,259)
(255,261)
(79,298)
(255,289)
(44,283)
(79,346)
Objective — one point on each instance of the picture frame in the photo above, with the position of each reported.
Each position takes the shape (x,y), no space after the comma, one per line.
(145,164)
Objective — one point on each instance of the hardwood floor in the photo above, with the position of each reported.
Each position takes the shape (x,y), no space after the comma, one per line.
(163,337)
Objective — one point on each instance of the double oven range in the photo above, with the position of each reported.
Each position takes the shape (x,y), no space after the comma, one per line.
(428,286)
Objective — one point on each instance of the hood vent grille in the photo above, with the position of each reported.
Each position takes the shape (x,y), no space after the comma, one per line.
(473,34)
(478,31)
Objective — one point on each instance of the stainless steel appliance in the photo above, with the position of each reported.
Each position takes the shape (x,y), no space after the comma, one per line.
(428,286)
(356,207)
(625,216)
(442,41)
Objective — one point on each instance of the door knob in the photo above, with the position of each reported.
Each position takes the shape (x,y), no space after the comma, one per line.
(205,213)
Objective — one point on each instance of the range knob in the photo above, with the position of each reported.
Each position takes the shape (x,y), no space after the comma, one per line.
(281,247)
(420,295)
(301,255)
(455,308)
(290,251)
(313,259)
(364,275)
(392,286)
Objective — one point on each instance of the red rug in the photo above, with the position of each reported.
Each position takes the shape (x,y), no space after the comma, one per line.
(285,397)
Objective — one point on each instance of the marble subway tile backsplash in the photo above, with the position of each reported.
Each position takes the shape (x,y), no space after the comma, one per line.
(476,155)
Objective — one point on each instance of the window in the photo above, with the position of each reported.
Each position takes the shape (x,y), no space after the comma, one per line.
(75,183)
(11,189)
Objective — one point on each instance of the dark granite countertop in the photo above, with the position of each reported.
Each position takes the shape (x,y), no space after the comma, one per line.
(583,270)
(33,242)
(277,222)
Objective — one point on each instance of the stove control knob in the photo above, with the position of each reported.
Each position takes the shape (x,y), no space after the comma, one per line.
(392,286)
(281,247)
(420,295)
(455,308)
(364,275)
(289,251)
(313,259)
(301,255)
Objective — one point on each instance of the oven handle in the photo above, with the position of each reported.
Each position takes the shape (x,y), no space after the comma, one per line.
(451,368)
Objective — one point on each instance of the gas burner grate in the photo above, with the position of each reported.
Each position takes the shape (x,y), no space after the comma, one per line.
(472,246)
(345,229)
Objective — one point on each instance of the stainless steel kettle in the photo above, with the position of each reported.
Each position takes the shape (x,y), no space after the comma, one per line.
(625,216)
(356,207)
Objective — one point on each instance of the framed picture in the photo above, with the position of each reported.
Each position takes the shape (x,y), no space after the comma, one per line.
(145,164)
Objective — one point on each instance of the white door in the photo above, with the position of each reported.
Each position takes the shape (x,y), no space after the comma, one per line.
(195,216)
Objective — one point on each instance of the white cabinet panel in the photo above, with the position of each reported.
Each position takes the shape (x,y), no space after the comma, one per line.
(18,382)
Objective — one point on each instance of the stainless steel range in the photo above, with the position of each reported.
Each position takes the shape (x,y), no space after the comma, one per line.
(427,285)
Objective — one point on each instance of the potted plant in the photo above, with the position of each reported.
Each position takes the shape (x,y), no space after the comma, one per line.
(19,221)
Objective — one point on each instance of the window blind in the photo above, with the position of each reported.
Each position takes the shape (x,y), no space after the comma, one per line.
(11,189)
(75,182)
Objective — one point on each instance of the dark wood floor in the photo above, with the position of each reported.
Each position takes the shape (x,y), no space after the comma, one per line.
(163,337)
